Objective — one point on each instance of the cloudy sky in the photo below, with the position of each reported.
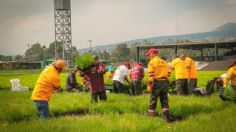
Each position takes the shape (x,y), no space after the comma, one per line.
(25,22)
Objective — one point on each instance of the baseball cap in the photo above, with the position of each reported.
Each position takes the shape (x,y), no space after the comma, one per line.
(60,64)
(151,51)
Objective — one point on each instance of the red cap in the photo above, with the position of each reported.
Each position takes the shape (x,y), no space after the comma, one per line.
(151,51)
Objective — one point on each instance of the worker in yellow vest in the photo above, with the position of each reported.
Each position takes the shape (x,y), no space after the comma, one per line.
(47,84)
(192,72)
(158,83)
(231,78)
(181,75)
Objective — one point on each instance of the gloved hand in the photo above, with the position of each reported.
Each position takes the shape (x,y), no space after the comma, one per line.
(149,86)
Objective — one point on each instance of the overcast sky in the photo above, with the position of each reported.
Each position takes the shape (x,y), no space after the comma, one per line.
(25,22)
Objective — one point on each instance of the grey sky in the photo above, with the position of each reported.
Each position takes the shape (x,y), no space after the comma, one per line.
(25,22)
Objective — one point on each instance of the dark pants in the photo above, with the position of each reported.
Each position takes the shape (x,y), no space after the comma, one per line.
(72,88)
(118,87)
(182,87)
(42,107)
(101,94)
(192,84)
(160,88)
(136,86)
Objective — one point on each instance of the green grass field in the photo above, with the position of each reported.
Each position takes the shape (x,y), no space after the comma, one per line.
(74,112)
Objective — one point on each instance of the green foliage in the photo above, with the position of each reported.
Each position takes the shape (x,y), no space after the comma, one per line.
(35,52)
(121,53)
(5,58)
(84,61)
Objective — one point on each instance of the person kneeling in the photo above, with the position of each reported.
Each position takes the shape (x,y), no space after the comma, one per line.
(71,83)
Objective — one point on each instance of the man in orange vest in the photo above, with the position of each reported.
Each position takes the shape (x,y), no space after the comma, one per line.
(192,72)
(230,78)
(181,75)
(158,74)
(47,84)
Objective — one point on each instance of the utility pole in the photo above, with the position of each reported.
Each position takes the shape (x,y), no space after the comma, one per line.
(90,45)
(28,45)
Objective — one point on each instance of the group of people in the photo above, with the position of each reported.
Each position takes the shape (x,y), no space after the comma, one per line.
(157,83)
(185,71)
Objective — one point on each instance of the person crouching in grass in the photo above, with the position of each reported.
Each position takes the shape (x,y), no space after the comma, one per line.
(229,83)
(47,84)
(94,78)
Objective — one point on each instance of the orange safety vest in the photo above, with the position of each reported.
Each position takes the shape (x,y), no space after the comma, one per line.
(47,81)
(192,69)
(231,76)
(180,69)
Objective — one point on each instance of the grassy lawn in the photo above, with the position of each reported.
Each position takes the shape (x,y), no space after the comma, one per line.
(74,112)
(29,77)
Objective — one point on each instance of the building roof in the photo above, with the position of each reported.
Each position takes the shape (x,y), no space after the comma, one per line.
(191,45)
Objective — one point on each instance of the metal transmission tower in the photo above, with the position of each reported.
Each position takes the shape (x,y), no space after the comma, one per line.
(62,14)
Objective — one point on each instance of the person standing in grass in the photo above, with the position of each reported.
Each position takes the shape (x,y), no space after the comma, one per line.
(179,66)
(71,83)
(47,84)
(158,82)
(120,77)
(136,75)
(192,72)
(94,78)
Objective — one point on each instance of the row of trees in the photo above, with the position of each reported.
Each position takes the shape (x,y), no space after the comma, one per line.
(39,52)
(121,53)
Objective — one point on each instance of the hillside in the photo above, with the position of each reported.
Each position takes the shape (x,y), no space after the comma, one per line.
(226,32)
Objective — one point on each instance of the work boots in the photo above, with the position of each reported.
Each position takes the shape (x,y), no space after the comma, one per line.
(168,117)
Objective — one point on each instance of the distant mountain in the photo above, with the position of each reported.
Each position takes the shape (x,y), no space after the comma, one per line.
(228,27)
(226,32)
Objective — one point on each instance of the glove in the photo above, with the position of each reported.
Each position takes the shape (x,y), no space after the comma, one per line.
(149,86)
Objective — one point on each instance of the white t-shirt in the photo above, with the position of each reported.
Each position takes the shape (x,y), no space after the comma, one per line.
(120,72)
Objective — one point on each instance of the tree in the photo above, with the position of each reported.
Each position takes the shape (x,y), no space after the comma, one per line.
(133,50)
(19,58)
(5,58)
(147,42)
(8,58)
(34,53)
(2,57)
(121,53)
(50,52)
(106,55)
(74,53)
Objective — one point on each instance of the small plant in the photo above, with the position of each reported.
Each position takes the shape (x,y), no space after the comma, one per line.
(84,62)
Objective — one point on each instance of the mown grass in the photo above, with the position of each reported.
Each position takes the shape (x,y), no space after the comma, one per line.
(217,121)
(18,106)
(74,112)
(29,77)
